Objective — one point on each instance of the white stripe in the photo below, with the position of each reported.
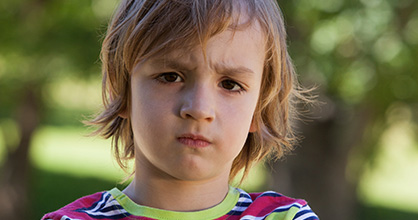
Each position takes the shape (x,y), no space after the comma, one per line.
(100,202)
(287,207)
(280,209)
(250,217)
(112,202)
(244,197)
(306,207)
(305,216)
(239,208)
(68,218)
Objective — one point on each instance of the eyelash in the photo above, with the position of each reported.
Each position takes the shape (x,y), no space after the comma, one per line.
(162,79)
(239,90)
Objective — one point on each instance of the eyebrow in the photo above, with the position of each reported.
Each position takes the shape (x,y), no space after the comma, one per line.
(233,70)
(220,68)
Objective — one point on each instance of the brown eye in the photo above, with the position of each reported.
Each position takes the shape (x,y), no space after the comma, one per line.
(230,85)
(169,77)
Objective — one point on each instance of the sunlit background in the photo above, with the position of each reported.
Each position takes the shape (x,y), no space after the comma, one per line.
(359,155)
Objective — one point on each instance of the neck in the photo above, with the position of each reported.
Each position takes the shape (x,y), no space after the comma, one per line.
(168,193)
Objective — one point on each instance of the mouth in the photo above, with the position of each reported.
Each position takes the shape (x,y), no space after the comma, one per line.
(196,141)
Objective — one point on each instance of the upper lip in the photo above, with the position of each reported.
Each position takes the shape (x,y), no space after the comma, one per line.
(195,137)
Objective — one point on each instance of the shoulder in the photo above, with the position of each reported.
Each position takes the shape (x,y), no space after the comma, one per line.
(273,205)
(100,205)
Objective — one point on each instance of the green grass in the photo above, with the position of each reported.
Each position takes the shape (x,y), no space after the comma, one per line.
(393,181)
(68,150)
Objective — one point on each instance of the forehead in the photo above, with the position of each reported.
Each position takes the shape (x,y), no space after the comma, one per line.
(246,43)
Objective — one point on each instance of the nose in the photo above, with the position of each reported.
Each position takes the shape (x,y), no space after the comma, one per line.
(198,104)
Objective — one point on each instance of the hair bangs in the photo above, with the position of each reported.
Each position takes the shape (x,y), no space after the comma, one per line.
(154,28)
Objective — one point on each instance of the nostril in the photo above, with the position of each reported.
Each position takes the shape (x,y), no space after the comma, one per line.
(197,113)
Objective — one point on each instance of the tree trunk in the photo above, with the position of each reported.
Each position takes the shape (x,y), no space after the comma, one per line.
(15,172)
(317,170)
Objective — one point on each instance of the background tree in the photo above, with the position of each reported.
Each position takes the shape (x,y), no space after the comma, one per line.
(362,55)
(40,41)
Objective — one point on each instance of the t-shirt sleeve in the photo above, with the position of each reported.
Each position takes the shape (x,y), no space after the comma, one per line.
(57,217)
(272,205)
(305,213)
(294,212)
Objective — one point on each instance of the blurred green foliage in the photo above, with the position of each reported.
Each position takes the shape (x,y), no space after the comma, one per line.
(361,54)
(44,42)
(358,51)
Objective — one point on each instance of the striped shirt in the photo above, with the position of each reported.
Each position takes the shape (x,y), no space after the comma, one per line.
(237,204)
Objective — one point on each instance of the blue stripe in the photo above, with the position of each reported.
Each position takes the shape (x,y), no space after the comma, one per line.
(118,216)
(95,204)
(242,195)
(112,208)
(104,201)
(243,204)
(312,218)
(234,213)
(95,208)
(285,209)
(307,211)
(300,213)
(270,194)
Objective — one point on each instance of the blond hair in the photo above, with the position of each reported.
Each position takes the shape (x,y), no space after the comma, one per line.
(141,29)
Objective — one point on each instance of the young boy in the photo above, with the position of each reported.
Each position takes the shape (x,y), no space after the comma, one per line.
(194,91)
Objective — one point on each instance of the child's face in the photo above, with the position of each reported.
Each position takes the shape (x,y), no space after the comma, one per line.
(191,117)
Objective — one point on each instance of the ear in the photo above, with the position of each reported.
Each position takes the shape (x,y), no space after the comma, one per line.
(253,126)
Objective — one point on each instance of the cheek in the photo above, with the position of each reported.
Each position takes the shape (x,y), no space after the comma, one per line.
(147,102)
(146,114)
(239,119)
(148,128)
(149,116)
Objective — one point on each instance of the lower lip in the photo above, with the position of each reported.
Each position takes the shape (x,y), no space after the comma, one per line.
(193,142)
